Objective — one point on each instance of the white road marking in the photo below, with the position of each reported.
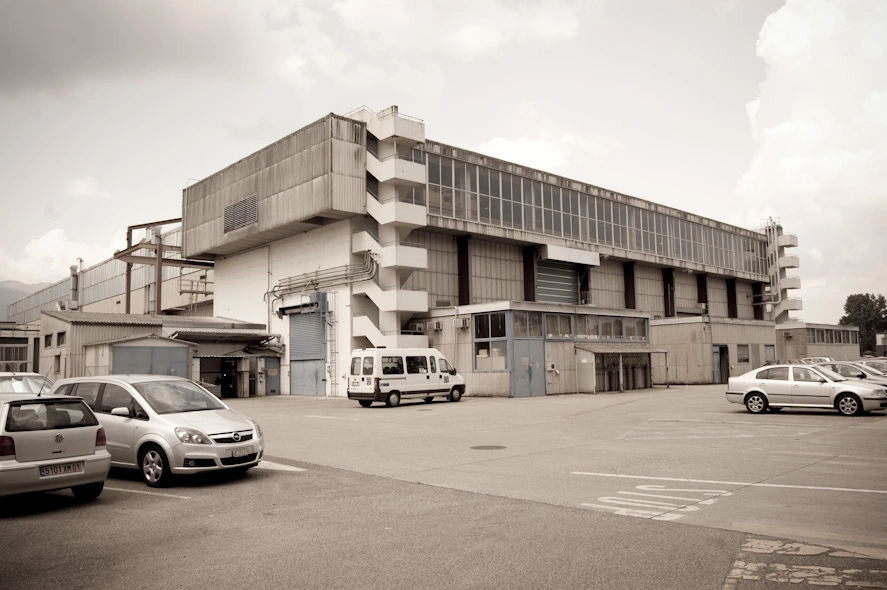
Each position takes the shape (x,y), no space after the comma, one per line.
(147,493)
(277,466)
(732,483)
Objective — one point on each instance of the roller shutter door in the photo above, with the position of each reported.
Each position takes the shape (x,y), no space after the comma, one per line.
(557,282)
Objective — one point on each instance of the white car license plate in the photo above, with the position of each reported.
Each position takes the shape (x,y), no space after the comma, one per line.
(48,470)
(241,452)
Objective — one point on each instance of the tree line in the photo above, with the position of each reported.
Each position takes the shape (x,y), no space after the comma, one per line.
(869,313)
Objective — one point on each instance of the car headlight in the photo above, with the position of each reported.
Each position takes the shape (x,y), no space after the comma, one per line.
(879,393)
(258,430)
(194,437)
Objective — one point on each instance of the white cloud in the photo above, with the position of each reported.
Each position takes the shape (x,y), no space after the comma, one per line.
(49,257)
(85,188)
(403,24)
(820,122)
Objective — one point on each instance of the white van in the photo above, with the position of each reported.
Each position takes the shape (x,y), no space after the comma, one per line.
(391,374)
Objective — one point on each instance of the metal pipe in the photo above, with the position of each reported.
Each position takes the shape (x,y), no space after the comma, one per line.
(158,273)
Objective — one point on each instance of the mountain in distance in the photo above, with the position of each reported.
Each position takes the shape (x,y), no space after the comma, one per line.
(13,291)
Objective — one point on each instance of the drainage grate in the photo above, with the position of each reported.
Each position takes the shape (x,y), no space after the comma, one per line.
(488,448)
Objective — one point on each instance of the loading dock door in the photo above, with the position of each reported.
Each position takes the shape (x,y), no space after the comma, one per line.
(307,366)
(151,360)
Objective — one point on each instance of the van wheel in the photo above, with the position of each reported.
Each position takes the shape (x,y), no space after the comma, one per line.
(848,405)
(393,399)
(365,403)
(455,394)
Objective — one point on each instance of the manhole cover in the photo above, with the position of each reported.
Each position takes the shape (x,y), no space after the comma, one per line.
(488,447)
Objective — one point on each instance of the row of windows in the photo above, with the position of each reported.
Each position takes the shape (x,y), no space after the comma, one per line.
(60,339)
(491,342)
(475,193)
(743,353)
(831,336)
(394,365)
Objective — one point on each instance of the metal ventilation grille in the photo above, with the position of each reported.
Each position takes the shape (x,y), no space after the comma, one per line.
(242,213)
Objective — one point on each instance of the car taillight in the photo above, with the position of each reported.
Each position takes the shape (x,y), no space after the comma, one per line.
(7,446)
(100,440)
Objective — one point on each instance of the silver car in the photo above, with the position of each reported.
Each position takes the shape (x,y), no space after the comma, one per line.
(24,383)
(854,370)
(877,364)
(51,443)
(804,386)
(167,426)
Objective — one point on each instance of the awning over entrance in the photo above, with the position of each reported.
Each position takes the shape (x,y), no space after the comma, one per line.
(619,348)
(625,349)
(214,335)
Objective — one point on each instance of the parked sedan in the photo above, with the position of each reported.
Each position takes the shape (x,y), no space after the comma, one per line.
(852,370)
(167,426)
(877,364)
(24,383)
(804,386)
(51,443)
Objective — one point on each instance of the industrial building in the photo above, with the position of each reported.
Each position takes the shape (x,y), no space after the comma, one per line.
(358,231)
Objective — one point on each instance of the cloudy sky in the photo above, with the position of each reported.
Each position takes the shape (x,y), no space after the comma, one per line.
(738,110)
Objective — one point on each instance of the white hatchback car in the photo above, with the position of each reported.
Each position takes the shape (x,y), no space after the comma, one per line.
(166,426)
(51,443)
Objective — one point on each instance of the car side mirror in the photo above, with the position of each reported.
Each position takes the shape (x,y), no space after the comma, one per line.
(452,370)
(861,375)
(121,411)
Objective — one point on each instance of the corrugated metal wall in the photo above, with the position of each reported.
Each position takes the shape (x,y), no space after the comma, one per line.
(319,169)
(744,294)
(686,294)
(441,279)
(497,272)
(717,296)
(648,289)
(607,284)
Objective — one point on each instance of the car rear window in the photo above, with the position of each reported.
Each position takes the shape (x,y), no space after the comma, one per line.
(49,415)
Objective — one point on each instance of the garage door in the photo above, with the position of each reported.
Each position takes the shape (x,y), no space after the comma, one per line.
(151,360)
(307,364)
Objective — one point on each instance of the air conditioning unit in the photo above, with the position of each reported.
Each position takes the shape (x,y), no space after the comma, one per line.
(462,323)
(437,326)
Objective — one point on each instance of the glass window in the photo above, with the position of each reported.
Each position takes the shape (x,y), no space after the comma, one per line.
(368,365)
(482,326)
(392,365)
(587,327)
(432,364)
(527,324)
(355,366)
(491,346)
(742,353)
(417,365)
(115,396)
(558,325)
(88,391)
(612,328)
(47,341)
(804,374)
(171,397)
(60,338)
(776,374)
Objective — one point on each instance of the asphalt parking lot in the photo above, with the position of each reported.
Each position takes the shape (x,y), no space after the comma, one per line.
(664,488)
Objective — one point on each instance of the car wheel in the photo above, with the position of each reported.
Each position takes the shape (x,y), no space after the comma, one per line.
(393,399)
(756,403)
(848,405)
(89,491)
(429,399)
(772,409)
(365,403)
(155,468)
(455,394)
